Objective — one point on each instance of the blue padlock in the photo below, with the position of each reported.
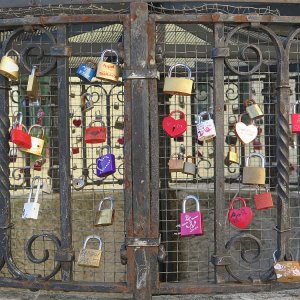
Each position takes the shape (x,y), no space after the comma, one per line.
(106,164)
(86,71)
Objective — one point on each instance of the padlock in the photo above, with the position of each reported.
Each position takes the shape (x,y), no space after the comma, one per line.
(37,142)
(106,164)
(211,153)
(257,144)
(235,108)
(254,175)
(79,183)
(174,127)
(240,217)
(120,140)
(191,223)
(90,257)
(31,209)
(87,70)
(245,133)
(119,124)
(106,70)
(32,85)
(253,109)
(47,187)
(19,134)
(232,156)
(86,104)
(105,216)
(175,164)
(179,138)
(295,118)
(8,66)
(189,168)
(95,134)
(231,121)
(13,155)
(286,271)
(77,122)
(178,85)
(37,166)
(263,200)
(231,138)
(205,128)
(75,150)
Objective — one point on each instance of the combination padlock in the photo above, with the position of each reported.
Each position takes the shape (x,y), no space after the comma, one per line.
(19,134)
(95,134)
(254,175)
(106,70)
(263,200)
(86,103)
(191,223)
(32,85)
(105,216)
(8,66)
(295,118)
(178,85)
(106,164)
(37,143)
(86,71)
(175,164)
(253,109)
(31,209)
(119,124)
(205,128)
(90,257)
(189,168)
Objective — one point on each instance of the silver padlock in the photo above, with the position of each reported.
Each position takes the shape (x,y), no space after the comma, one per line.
(31,209)
(79,183)
(189,168)
(205,128)
(86,105)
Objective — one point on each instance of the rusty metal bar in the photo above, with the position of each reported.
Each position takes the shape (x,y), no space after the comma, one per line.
(64,153)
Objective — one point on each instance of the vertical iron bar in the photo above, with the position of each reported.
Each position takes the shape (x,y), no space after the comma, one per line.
(64,153)
(219,204)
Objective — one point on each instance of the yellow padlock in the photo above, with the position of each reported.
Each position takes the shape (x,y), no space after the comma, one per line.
(37,143)
(253,109)
(106,70)
(8,66)
(32,85)
(232,156)
(178,85)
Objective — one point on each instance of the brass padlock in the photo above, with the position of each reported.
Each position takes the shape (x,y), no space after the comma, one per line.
(32,85)
(90,257)
(37,143)
(189,167)
(254,175)
(106,70)
(232,156)
(105,216)
(178,85)
(176,164)
(253,109)
(119,124)
(86,104)
(8,66)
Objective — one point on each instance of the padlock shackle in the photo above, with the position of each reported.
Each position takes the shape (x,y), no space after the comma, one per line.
(201,115)
(36,197)
(18,119)
(239,198)
(180,65)
(190,197)
(110,199)
(240,118)
(14,51)
(177,155)
(105,147)
(41,129)
(93,237)
(83,100)
(182,114)
(190,156)
(94,121)
(255,154)
(294,107)
(264,186)
(111,51)
(33,71)
(249,102)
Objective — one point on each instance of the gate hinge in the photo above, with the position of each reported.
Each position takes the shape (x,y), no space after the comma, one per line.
(220,52)
(61,51)
(64,255)
(141,74)
(220,260)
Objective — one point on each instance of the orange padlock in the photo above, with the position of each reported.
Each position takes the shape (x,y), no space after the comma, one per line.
(263,200)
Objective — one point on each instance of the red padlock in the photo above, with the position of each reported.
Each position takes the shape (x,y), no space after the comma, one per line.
(19,134)
(295,119)
(263,200)
(96,134)
(75,150)
(240,217)
(174,127)
(37,166)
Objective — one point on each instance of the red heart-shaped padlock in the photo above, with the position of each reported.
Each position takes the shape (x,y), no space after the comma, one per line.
(174,127)
(77,122)
(240,217)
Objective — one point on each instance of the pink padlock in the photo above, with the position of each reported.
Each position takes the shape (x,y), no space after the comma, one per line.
(191,223)
(295,119)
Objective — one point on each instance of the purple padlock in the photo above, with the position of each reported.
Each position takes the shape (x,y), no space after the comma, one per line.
(191,223)
(106,164)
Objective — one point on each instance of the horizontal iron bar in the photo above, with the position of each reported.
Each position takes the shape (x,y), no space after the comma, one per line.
(141,74)
(142,242)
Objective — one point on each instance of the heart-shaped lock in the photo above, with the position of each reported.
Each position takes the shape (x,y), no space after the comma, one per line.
(240,217)
(245,133)
(77,122)
(174,127)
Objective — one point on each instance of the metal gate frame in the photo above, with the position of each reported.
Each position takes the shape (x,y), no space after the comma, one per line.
(142,244)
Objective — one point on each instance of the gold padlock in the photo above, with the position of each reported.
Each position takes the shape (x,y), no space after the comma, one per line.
(37,143)
(178,85)
(90,257)
(175,164)
(254,175)
(8,66)
(32,85)
(105,216)
(232,156)
(189,168)
(253,109)
(106,70)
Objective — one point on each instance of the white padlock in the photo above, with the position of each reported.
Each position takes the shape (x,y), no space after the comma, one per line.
(205,128)
(31,209)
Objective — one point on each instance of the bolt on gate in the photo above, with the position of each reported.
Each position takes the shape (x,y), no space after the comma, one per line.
(67,223)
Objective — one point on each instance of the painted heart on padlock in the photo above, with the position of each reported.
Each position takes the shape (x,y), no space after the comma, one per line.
(103,162)
(245,133)
(240,217)
(174,127)
(77,122)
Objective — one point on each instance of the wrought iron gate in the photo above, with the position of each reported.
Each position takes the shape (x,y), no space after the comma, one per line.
(234,54)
